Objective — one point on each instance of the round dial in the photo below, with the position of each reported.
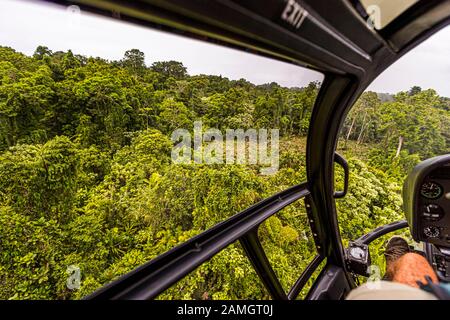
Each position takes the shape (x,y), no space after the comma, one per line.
(432,232)
(357,253)
(431,190)
(432,212)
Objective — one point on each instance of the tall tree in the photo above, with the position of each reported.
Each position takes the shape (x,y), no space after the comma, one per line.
(134,59)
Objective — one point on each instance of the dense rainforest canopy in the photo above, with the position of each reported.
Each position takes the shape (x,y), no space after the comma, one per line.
(86,177)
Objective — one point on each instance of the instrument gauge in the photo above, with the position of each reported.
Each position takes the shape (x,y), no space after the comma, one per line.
(357,253)
(431,190)
(432,232)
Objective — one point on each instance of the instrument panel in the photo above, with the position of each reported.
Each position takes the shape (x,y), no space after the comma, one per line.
(434,204)
(427,201)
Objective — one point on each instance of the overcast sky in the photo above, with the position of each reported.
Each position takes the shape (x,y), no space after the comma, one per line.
(24,25)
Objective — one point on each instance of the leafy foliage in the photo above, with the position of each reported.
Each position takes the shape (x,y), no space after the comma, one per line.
(86,177)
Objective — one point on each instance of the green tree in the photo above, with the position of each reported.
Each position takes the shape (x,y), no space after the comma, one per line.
(134,60)
(169,69)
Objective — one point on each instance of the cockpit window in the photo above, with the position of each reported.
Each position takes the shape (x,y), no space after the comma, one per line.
(119,142)
(397,123)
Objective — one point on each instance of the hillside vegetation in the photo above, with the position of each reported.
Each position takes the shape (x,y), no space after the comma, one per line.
(86,177)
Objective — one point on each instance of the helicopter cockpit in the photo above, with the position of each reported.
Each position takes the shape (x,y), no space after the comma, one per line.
(426,206)
(342,40)
(353,54)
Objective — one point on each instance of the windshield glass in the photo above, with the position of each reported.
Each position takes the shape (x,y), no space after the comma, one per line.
(118,142)
(402,119)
